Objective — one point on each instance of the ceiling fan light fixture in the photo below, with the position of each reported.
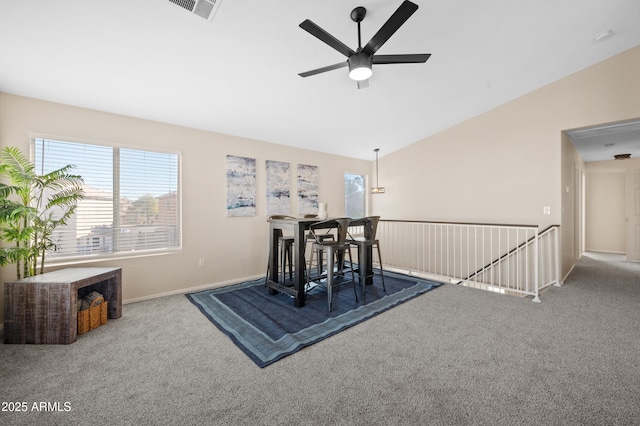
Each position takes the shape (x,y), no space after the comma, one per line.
(360,67)
(359,74)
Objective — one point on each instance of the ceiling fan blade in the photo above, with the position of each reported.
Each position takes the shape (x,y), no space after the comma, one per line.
(396,20)
(363,84)
(324,36)
(324,69)
(401,59)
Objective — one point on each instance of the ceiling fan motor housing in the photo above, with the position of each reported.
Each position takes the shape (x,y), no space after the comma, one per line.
(360,66)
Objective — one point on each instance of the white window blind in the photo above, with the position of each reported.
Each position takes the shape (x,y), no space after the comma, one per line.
(132,199)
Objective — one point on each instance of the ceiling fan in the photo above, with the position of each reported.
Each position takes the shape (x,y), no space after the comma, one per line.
(361,60)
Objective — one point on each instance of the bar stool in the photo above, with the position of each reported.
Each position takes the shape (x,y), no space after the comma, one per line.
(285,249)
(326,236)
(363,243)
(336,251)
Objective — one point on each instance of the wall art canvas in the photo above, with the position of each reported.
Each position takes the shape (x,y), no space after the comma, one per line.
(278,192)
(307,189)
(241,186)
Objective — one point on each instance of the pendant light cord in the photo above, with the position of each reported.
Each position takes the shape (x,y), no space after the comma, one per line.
(377,173)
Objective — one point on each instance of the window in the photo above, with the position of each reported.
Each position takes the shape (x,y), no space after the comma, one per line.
(354,195)
(132,199)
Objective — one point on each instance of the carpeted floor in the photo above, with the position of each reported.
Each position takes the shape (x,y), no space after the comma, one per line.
(458,356)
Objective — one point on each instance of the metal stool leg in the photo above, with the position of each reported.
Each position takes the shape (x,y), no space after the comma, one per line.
(330,259)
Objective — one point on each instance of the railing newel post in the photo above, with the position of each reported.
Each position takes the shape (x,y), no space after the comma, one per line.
(536,297)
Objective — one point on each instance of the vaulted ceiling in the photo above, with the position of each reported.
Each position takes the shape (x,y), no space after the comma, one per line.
(238,72)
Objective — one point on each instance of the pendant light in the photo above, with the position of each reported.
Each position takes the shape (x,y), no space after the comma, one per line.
(377,189)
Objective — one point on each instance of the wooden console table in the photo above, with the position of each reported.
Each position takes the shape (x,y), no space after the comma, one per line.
(43,309)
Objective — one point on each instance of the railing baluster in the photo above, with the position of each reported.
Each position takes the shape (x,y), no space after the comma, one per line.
(510,275)
(499,251)
(517,284)
(470,252)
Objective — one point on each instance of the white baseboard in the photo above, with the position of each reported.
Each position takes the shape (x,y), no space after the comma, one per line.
(567,274)
(192,289)
(606,251)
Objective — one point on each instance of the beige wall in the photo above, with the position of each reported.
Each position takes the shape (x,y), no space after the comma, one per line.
(502,166)
(606,204)
(505,165)
(234,248)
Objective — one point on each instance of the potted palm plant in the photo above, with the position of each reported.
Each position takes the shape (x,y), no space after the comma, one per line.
(32,206)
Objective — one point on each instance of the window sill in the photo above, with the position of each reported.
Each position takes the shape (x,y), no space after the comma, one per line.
(120,256)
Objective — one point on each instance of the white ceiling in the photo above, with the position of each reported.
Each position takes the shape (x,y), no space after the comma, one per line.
(238,74)
(604,142)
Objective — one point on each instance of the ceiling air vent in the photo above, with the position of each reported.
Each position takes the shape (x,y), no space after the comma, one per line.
(203,8)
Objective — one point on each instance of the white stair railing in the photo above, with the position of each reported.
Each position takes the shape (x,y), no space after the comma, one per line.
(509,259)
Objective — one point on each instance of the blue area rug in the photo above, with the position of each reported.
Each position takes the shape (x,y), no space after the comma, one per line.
(269,327)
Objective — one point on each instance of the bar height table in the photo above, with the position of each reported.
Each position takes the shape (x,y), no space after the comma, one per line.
(298,227)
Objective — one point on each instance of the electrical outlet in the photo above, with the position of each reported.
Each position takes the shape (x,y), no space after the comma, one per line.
(201,263)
